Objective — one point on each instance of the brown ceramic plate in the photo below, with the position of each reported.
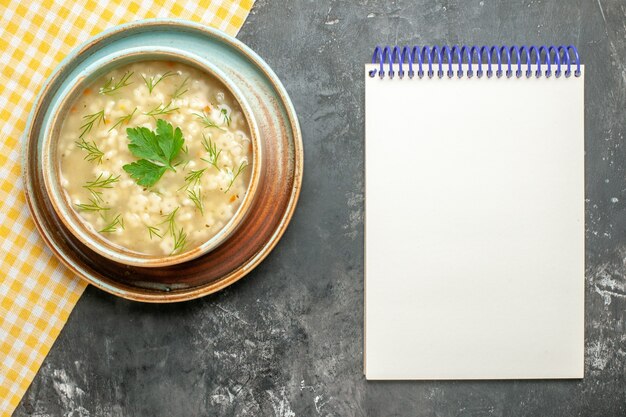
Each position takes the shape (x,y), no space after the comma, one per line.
(278,187)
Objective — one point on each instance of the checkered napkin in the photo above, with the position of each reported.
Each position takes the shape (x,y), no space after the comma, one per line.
(37,293)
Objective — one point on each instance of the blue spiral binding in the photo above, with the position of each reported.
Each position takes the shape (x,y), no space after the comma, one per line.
(495,56)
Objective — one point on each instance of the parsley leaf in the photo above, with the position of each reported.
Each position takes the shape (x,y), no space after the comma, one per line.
(156,151)
(145,172)
(170,147)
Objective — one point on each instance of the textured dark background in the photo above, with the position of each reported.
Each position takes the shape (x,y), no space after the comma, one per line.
(287,340)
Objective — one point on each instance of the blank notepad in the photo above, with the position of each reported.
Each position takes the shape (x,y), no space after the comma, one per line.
(474,248)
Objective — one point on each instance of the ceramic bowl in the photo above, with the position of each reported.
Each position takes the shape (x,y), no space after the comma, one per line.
(279,180)
(51,165)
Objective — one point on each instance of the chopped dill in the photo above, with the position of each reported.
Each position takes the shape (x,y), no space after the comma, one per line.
(196,196)
(110,86)
(154,231)
(161,109)
(193,177)
(118,221)
(181,89)
(95,187)
(154,80)
(180,240)
(204,120)
(93,153)
(92,206)
(211,148)
(124,119)
(180,237)
(234,175)
(90,120)
(170,219)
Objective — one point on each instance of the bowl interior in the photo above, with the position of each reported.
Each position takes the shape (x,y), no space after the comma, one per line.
(51,165)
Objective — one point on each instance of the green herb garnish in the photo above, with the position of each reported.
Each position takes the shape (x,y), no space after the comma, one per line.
(157,151)
(196,196)
(211,149)
(180,237)
(180,240)
(153,81)
(180,90)
(93,153)
(225,116)
(170,219)
(124,119)
(111,87)
(92,206)
(90,120)
(161,109)
(118,221)
(193,177)
(154,231)
(146,173)
(204,119)
(234,175)
(95,187)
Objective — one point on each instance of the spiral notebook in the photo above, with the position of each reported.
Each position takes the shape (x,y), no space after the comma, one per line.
(474,213)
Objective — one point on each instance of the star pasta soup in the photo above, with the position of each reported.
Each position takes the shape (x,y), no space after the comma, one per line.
(155,156)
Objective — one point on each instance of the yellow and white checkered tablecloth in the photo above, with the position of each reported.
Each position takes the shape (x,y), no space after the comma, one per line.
(37,293)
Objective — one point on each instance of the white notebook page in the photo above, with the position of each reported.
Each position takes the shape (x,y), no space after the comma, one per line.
(474,225)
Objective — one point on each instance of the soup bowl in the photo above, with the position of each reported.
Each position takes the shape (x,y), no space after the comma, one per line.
(275,197)
(51,166)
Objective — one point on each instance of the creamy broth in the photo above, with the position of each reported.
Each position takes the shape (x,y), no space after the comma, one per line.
(190,202)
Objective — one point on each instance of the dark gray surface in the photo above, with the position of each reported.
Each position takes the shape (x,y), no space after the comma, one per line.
(287,340)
